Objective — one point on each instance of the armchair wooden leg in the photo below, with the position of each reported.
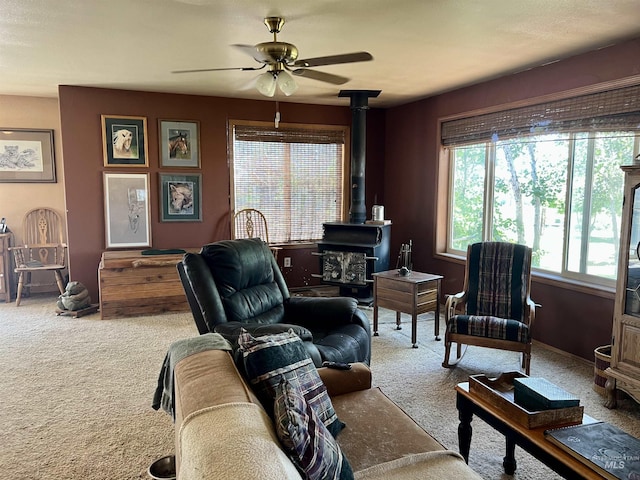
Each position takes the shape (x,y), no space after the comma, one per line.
(27,284)
(459,354)
(526,362)
(59,281)
(20,286)
(447,350)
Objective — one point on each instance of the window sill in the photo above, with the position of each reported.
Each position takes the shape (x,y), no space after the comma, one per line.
(294,246)
(550,279)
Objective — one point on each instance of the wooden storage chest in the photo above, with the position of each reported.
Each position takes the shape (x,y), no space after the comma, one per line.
(134,284)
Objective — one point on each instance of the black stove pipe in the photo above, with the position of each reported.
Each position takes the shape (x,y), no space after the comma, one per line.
(359,106)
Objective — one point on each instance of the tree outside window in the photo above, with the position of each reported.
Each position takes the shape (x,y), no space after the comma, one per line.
(561,194)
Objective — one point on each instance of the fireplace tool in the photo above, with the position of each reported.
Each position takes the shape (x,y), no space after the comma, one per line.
(404,259)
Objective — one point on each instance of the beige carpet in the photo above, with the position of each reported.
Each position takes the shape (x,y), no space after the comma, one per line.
(75,397)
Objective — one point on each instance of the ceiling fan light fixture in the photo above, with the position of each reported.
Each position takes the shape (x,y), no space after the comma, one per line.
(286,83)
(266,84)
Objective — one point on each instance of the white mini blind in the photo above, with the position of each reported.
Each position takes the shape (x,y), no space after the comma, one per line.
(293,175)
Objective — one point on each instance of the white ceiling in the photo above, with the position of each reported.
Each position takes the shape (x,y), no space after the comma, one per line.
(420,47)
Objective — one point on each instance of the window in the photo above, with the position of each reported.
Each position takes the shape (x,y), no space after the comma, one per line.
(547,176)
(294,175)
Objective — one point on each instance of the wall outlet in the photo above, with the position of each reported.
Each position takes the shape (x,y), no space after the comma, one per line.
(287,262)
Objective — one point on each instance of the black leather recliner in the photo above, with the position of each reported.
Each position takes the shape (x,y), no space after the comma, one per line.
(234,284)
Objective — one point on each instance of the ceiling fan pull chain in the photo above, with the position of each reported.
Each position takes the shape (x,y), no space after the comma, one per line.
(277,119)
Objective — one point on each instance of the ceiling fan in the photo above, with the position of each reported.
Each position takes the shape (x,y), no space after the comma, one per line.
(281,60)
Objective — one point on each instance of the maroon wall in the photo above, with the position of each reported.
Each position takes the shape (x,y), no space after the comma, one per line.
(80,110)
(572,319)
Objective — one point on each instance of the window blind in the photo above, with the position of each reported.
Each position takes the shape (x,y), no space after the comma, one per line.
(257,133)
(617,109)
(294,176)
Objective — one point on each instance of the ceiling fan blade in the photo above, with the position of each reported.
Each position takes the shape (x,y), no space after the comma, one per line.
(253,52)
(218,69)
(249,84)
(334,59)
(321,76)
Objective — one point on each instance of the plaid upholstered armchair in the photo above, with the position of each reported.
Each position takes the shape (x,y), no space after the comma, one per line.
(498,311)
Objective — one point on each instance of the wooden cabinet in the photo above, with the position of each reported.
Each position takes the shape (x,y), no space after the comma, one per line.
(134,284)
(6,270)
(624,372)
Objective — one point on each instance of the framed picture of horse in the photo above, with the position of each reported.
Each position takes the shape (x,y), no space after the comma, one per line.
(126,210)
(180,197)
(124,141)
(179,143)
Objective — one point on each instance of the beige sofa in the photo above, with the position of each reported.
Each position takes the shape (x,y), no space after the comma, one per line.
(222,431)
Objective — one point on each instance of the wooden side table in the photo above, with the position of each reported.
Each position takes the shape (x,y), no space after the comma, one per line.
(414,294)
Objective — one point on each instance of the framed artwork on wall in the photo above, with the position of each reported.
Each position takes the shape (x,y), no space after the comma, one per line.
(27,156)
(124,141)
(180,197)
(126,210)
(179,143)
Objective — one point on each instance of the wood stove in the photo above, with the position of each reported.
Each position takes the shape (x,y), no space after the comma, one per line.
(351,252)
(349,255)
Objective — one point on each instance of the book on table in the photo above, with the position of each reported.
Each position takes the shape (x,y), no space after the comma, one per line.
(534,393)
(606,449)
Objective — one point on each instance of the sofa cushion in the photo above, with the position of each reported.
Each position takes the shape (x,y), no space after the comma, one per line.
(232,440)
(490,327)
(378,430)
(421,466)
(310,445)
(344,344)
(269,358)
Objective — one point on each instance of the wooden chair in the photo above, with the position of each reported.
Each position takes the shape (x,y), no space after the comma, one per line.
(499,312)
(250,223)
(44,250)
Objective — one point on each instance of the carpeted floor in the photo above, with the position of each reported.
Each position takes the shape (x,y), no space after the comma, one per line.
(76,393)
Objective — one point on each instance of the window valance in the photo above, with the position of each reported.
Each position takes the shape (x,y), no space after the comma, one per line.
(258,133)
(617,109)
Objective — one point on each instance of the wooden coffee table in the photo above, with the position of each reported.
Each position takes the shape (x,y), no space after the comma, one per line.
(531,440)
(414,294)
